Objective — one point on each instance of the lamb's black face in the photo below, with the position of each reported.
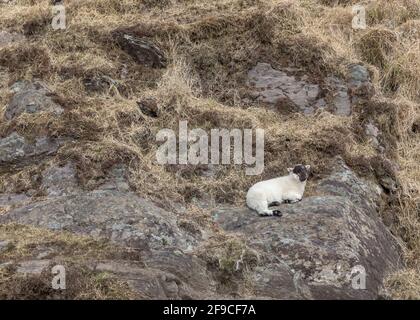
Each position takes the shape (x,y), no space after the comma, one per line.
(302,172)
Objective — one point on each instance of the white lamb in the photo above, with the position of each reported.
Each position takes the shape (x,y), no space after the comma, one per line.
(267,193)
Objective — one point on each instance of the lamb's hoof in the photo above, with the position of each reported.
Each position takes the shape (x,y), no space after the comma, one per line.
(277,213)
(274,204)
(264,215)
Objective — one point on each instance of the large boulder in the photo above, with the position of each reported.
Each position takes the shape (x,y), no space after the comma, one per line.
(326,239)
(274,86)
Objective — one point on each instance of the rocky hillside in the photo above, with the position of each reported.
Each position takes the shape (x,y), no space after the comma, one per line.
(80,108)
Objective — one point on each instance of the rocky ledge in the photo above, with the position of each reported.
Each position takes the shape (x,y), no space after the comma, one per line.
(313,252)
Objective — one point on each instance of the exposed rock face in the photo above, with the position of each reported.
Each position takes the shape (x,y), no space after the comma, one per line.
(59,181)
(34,267)
(171,272)
(309,253)
(121,217)
(142,50)
(30,97)
(15,148)
(274,86)
(340,98)
(164,281)
(12,199)
(116,179)
(359,82)
(325,237)
(279,87)
(279,281)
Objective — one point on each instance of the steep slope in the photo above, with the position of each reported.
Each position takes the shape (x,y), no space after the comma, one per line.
(82,107)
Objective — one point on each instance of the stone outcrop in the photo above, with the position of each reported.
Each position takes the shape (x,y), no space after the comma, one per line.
(30,97)
(122,217)
(59,181)
(323,239)
(312,252)
(274,86)
(283,87)
(17,149)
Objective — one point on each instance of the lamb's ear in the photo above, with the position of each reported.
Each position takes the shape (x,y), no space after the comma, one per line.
(307,167)
(290,170)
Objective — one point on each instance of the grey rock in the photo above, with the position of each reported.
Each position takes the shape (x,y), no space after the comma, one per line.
(273,86)
(4,245)
(119,216)
(341,99)
(33,267)
(6,265)
(277,281)
(45,254)
(30,97)
(99,83)
(373,132)
(359,82)
(12,199)
(15,148)
(176,262)
(277,87)
(151,283)
(149,107)
(358,75)
(324,237)
(345,183)
(7,38)
(116,179)
(59,181)
(167,270)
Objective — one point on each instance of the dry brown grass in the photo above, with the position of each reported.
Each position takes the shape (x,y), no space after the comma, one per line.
(76,253)
(210,46)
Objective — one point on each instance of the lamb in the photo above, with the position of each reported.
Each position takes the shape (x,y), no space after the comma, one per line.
(288,188)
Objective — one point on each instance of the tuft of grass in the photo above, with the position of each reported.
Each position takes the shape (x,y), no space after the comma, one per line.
(376,45)
(404,285)
(75,253)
